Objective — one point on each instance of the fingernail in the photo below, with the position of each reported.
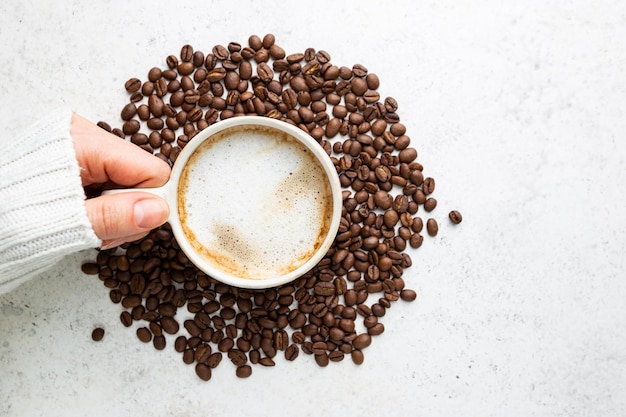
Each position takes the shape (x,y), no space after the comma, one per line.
(112,244)
(150,213)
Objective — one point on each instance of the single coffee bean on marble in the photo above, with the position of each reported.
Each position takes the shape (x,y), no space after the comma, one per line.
(455,217)
(97,334)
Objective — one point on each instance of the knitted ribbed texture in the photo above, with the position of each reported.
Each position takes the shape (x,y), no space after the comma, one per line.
(42,202)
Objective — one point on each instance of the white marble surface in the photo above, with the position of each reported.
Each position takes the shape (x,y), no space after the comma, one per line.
(518,111)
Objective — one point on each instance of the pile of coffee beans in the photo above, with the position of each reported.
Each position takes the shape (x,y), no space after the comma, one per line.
(336,309)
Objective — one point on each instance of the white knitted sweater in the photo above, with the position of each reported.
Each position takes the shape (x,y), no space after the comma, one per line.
(42,202)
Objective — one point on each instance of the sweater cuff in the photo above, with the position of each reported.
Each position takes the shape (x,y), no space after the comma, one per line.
(43,215)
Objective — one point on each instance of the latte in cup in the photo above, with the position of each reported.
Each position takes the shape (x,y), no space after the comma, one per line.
(254,202)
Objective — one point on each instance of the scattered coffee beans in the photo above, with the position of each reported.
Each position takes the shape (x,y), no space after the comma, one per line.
(360,277)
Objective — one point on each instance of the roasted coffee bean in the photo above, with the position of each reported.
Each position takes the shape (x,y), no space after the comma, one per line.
(455,217)
(126,319)
(159,342)
(132,85)
(428,186)
(430,204)
(214,360)
(292,352)
(376,329)
(144,334)
(97,334)
(267,361)
(407,155)
(322,359)
(90,268)
(180,344)
(202,353)
(243,371)
(237,357)
(203,371)
(432,227)
(408,295)
(324,288)
(362,341)
(357,357)
(169,324)
(131,301)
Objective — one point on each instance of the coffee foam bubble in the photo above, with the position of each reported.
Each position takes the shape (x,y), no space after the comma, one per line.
(254,202)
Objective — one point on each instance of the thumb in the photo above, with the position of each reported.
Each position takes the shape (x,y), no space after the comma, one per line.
(125,217)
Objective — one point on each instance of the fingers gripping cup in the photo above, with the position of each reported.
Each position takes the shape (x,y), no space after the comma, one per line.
(254,202)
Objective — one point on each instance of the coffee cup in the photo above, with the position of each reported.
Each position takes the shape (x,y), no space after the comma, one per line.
(255,202)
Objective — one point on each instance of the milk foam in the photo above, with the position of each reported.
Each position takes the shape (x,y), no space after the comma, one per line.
(254,202)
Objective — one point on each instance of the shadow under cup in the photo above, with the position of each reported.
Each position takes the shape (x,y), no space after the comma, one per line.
(257,202)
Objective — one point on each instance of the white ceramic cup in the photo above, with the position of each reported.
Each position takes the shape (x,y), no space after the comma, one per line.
(234,208)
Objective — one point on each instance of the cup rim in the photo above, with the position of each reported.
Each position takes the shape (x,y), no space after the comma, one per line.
(304,138)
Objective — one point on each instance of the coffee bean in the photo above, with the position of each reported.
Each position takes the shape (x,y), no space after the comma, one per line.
(131,301)
(267,361)
(324,288)
(292,352)
(237,357)
(407,155)
(97,334)
(202,353)
(357,357)
(132,85)
(159,342)
(408,295)
(362,341)
(455,217)
(430,204)
(243,371)
(144,334)
(432,227)
(126,319)
(336,356)
(180,344)
(214,360)
(428,185)
(376,329)
(169,325)
(322,359)
(203,371)
(90,268)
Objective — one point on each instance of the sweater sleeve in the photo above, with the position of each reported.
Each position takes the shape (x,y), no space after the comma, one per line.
(42,201)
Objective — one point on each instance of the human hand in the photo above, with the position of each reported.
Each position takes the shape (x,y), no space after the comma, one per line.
(104,160)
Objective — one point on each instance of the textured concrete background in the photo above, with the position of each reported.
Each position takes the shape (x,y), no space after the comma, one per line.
(517,111)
